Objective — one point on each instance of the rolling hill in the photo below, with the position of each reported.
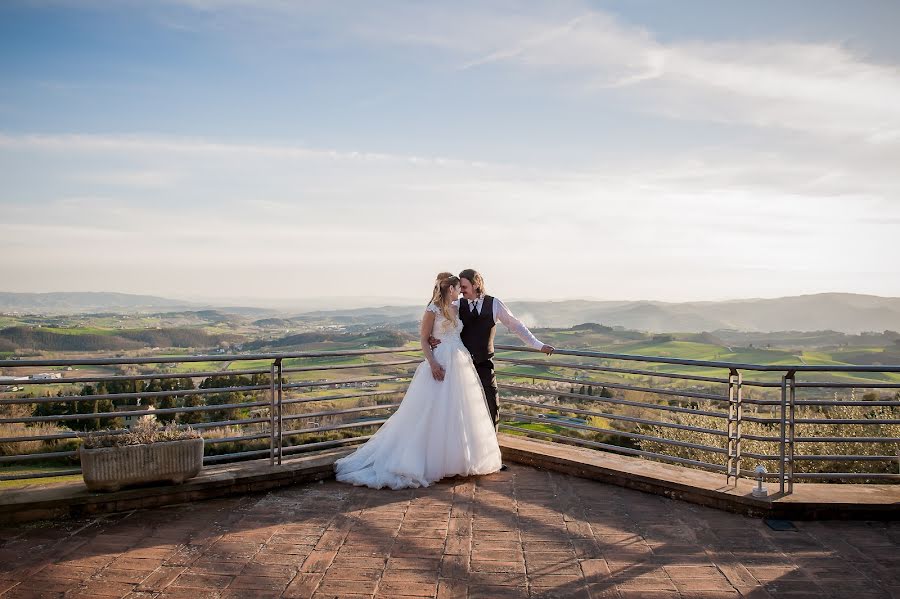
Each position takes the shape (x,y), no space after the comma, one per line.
(840,312)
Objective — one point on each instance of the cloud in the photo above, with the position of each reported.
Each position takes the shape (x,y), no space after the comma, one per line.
(340,194)
(820,88)
(815,88)
(133,178)
(175,145)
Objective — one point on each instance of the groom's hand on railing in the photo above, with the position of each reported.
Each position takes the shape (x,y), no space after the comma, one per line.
(548,349)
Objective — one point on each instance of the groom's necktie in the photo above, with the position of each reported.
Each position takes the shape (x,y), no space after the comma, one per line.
(474,308)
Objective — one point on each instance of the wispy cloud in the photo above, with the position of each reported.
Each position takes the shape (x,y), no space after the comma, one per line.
(821,88)
(178,145)
(125,178)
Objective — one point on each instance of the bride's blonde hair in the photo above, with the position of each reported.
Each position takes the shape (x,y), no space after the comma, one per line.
(440,297)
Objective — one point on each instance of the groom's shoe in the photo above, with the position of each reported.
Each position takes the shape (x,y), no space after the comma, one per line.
(503,467)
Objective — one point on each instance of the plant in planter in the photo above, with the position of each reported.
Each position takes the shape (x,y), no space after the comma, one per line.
(145,454)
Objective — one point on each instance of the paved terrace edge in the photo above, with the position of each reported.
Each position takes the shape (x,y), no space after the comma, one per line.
(73,500)
(808,502)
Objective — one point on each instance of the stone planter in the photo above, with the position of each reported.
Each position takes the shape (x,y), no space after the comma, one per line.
(111,468)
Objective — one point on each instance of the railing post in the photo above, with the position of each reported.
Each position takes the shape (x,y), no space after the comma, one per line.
(786,463)
(272,414)
(278,407)
(792,386)
(735,417)
(781,436)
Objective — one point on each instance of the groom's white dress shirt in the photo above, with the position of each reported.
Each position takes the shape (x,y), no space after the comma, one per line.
(502,314)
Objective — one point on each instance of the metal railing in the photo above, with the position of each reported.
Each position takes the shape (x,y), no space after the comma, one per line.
(671,423)
(704,414)
(281,406)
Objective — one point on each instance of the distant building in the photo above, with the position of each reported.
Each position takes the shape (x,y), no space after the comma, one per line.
(131,420)
(46,376)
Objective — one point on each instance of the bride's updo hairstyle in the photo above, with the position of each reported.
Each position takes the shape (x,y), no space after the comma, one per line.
(440,297)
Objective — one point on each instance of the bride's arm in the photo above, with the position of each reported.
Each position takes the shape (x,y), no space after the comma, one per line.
(427,326)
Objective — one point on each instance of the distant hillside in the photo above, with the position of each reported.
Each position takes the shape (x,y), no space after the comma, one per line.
(34,338)
(117,303)
(381,338)
(379,315)
(279,323)
(75,302)
(842,312)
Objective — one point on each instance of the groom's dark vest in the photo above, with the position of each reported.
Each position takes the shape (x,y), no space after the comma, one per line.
(478,331)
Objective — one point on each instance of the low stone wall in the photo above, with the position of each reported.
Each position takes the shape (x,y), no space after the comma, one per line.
(74,500)
(809,501)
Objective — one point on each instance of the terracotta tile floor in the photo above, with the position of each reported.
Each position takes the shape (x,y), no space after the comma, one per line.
(519,533)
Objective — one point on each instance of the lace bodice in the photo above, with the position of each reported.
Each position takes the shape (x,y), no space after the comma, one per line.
(444,329)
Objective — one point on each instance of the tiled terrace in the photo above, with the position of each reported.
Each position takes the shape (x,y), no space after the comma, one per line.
(519,533)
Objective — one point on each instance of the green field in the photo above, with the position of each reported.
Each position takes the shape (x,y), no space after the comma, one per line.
(602,339)
(538,427)
(188,367)
(690,350)
(80,331)
(11,484)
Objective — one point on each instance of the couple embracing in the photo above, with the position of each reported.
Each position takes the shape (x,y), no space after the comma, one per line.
(446,423)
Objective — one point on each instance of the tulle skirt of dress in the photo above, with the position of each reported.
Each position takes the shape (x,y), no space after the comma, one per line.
(442,428)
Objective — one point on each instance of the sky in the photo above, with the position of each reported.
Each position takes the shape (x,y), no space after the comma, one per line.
(259,151)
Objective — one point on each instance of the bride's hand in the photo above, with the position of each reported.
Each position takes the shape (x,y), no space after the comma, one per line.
(437,371)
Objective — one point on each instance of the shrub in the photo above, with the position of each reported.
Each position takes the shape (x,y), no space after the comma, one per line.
(144,431)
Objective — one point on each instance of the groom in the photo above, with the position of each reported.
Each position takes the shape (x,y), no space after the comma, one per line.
(479,314)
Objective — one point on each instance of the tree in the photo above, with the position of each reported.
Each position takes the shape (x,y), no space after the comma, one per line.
(169,401)
(192,401)
(92,406)
(231,397)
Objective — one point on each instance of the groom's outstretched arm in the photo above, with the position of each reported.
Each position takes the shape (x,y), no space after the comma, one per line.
(519,329)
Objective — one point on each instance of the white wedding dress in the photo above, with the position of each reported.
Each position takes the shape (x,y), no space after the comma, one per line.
(442,428)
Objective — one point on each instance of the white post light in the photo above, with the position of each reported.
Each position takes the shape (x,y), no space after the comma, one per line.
(760,489)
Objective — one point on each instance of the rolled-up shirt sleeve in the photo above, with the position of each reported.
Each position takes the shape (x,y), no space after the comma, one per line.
(515,326)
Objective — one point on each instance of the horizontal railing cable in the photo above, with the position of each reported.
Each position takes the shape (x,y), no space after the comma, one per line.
(612,400)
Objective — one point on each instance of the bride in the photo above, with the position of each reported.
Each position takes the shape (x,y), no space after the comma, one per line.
(443,426)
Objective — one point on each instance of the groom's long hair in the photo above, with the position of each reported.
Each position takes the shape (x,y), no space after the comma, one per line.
(475,278)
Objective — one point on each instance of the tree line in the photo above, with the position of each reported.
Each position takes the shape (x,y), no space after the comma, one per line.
(188,400)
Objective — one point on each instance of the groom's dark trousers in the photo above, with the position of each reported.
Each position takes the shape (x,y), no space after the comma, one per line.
(485,372)
(478,337)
